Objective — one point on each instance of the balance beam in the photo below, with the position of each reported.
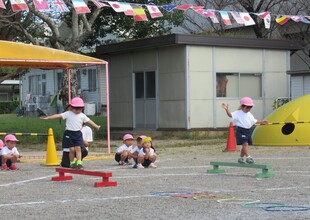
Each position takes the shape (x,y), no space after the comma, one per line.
(105,176)
(265,168)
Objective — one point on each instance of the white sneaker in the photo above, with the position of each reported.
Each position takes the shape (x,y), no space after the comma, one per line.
(152,165)
(121,163)
(140,166)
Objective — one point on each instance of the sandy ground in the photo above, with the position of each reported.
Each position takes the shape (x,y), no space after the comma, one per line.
(157,193)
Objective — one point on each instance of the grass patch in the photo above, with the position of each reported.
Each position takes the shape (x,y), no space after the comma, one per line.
(10,123)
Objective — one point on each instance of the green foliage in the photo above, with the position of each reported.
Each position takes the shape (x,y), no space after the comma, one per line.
(8,107)
(10,123)
(111,22)
(280,101)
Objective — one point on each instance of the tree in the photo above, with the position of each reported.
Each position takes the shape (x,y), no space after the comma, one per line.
(70,31)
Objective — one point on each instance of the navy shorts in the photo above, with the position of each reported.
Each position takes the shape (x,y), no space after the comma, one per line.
(118,158)
(8,161)
(243,135)
(65,161)
(72,139)
(146,163)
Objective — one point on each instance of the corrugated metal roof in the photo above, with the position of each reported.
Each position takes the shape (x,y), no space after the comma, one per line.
(181,39)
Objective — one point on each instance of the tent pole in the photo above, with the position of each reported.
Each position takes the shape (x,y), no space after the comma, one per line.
(69,86)
(108,106)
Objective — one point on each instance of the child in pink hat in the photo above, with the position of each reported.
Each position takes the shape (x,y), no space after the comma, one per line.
(135,151)
(72,139)
(9,153)
(122,154)
(244,120)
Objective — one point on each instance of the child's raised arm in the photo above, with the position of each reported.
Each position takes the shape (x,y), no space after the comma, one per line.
(93,124)
(52,117)
(225,106)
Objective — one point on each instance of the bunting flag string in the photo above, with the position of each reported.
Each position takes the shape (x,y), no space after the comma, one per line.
(137,11)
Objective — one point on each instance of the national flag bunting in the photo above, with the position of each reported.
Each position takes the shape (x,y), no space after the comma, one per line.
(40,5)
(184,7)
(196,7)
(59,6)
(122,7)
(139,14)
(154,11)
(295,18)
(19,5)
(169,7)
(267,18)
(237,17)
(208,14)
(282,20)
(225,17)
(247,19)
(99,4)
(80,6)
(128,10)
(2,5)
(305,20)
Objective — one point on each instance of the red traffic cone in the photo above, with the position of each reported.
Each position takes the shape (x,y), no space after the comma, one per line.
(231,139)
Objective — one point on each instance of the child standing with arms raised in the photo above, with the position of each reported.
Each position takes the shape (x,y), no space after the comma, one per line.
(244,120)
(72,137)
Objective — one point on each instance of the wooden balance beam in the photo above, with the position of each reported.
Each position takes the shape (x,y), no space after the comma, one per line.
(265,168)
(105,176)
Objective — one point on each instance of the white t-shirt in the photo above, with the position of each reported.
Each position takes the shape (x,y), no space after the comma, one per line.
(242,119)
(135,149)
(74,122)
(152,152)
(87,133)
(123,147)
(6,151)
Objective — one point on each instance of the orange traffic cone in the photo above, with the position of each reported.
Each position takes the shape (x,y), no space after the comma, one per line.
(51,153)
(231,139)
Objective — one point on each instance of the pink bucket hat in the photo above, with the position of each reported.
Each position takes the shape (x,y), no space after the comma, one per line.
(142,136)
(1,144)
(77,102)
(127,136)
(246,101)
(10,137)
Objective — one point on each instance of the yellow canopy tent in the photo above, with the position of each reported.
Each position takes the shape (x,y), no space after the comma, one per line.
(20,55)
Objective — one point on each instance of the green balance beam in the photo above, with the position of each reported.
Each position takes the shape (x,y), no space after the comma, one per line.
(264,174)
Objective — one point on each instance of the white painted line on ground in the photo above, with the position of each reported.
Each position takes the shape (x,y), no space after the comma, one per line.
(22,203)
(25,181)
(135,197)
